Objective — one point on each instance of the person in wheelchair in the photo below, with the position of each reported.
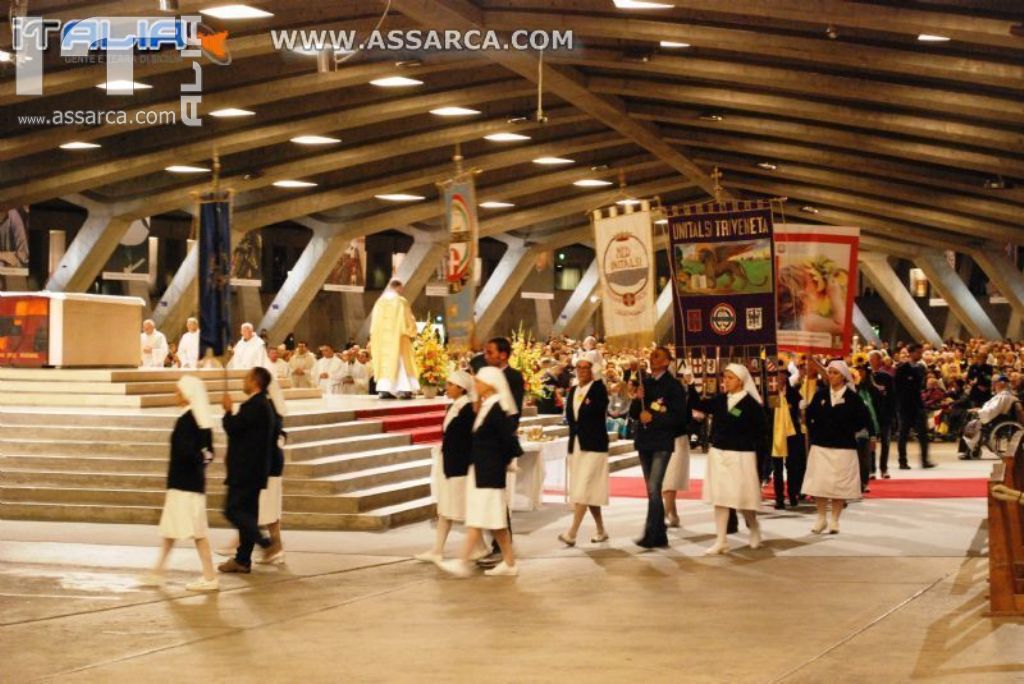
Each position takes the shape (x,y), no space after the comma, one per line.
(1003,407)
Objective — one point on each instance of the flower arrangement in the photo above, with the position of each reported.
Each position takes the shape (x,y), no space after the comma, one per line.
(431,357)
(525,358)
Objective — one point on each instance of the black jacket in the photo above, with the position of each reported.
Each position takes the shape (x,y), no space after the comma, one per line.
(837,426)
(494,447)
(251,439)
(885,407)
(276,452)
(457,442)
(742,428)
(518,388)
(187,470)
(590,428)
(660,433)
(909,383)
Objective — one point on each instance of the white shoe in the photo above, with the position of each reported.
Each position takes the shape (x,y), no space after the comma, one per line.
(204,585)
(429,557)
(152,580)
(819,526)
(276,559)
(457,567)
(226,552)
(718,549)
(482,552)
(502,570)
(755,537)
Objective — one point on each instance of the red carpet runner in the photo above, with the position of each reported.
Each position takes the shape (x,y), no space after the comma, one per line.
(422,423)
(946,488)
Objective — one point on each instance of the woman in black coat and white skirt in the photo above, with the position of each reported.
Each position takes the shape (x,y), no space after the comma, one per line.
(494,448)
(835,417)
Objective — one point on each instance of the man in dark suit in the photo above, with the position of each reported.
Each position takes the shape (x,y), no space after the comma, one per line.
(909,383)
(251,437)
(660,406)
(885,411)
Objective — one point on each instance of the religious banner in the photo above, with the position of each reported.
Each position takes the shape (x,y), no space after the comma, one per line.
(625,256)
(816,269)
(349,273)
(540,282)
(131,258)
(214,274)
(247,260)
(14,242)
(459,201)
(24,330)
(722,269)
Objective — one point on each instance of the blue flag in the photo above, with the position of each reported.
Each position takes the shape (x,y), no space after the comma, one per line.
(214,276)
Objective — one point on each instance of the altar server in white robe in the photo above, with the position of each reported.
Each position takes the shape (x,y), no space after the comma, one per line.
(836,416)
(328,370)
(586,411)
(250,351)
(301,367)
(392,331)
(152,346)
(361,372)
(279,367)
(188,345)
(451,461)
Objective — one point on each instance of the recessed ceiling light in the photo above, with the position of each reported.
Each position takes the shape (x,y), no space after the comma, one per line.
(517,119)
(230,112)
(315,140)
(235,12)
(506,137)
(180,168)
(640,4)
(673,44)
(395,82)
(496,205)
(79,146)
(711,116)
(661,222)
(123,85)
(400,197)
(591,183)
(628,202)
(453,111)
(767,166)
(930,38)
(293,184)
(552,160)
(808,209)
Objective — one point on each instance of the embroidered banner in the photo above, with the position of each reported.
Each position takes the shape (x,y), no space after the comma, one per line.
(349,273)
(816,269)
(459,198)
(625,256)
(13,243)
(247,259)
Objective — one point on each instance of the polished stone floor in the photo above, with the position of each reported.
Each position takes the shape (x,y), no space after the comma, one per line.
(898,596)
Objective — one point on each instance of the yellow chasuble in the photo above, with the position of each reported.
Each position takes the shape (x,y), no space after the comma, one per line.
(392,331)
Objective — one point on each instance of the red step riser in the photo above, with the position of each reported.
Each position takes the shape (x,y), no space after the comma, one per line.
(399,411)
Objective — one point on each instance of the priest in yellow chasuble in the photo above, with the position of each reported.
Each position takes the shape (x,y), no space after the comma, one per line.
(392,331)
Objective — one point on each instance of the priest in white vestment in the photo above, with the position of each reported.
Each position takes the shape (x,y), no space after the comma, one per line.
(361,372)
(392,331)
(250,351)
(188,345)
(301,367)
(328,371)
(152,346)
(280,366)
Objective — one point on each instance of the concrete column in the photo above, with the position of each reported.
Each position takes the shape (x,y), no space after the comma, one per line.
(663,331)
(88,252)
(1013,328)
(140,289)
(181,299)
(353,312)
(1004,275)
(953,326)
(949,285)
(877,270)
(417,267)
(579,309)
(544,318)
(503,286)
(248,309)
(863,326)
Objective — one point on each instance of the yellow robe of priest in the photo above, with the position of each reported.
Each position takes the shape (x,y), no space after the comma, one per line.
(392,331)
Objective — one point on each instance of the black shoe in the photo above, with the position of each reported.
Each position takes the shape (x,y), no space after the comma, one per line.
(405,395)
(780,505)
(904,466)
(644,543)
(386,395)
(964,457)
(927,465)
(490,560)
(886,476)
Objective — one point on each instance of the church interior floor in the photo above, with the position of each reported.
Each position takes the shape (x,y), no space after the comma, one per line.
(898,595)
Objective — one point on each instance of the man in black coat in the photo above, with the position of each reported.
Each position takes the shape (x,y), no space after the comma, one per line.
(251,438)
(885,410)
(660,406)
(909,383)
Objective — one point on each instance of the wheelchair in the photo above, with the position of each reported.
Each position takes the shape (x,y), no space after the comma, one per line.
(999,436)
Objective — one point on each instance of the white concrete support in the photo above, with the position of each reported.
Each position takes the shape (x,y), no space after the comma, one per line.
(877,270)
(1002,272)
(579,308)
(542,307)
(1014,327)
(89,251)
(960,300)
(502,286)
(181,299)
(663,332)
(863,326)
(953,326)
(248,308)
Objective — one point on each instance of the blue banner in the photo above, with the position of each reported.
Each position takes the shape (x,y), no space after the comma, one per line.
(214,276)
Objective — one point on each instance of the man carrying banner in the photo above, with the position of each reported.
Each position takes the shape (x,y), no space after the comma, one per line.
(392,330)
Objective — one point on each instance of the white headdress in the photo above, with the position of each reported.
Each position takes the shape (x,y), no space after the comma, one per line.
(463,380)
(743,374)
(841,366)
(194,391)
(489,375)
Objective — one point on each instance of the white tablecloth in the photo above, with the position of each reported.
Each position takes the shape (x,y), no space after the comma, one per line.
(542,465)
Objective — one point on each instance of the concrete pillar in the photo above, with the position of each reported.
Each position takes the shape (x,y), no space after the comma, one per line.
(354,315)
(181,299)
(1004,275)
(140,289)
(953,326)
(503,286)
(877,270)
(419,264)
(1013,328)
(663,331)
(544,318)
(579,309)
(863,326)
(960,300)
(248,309)
(88,252)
